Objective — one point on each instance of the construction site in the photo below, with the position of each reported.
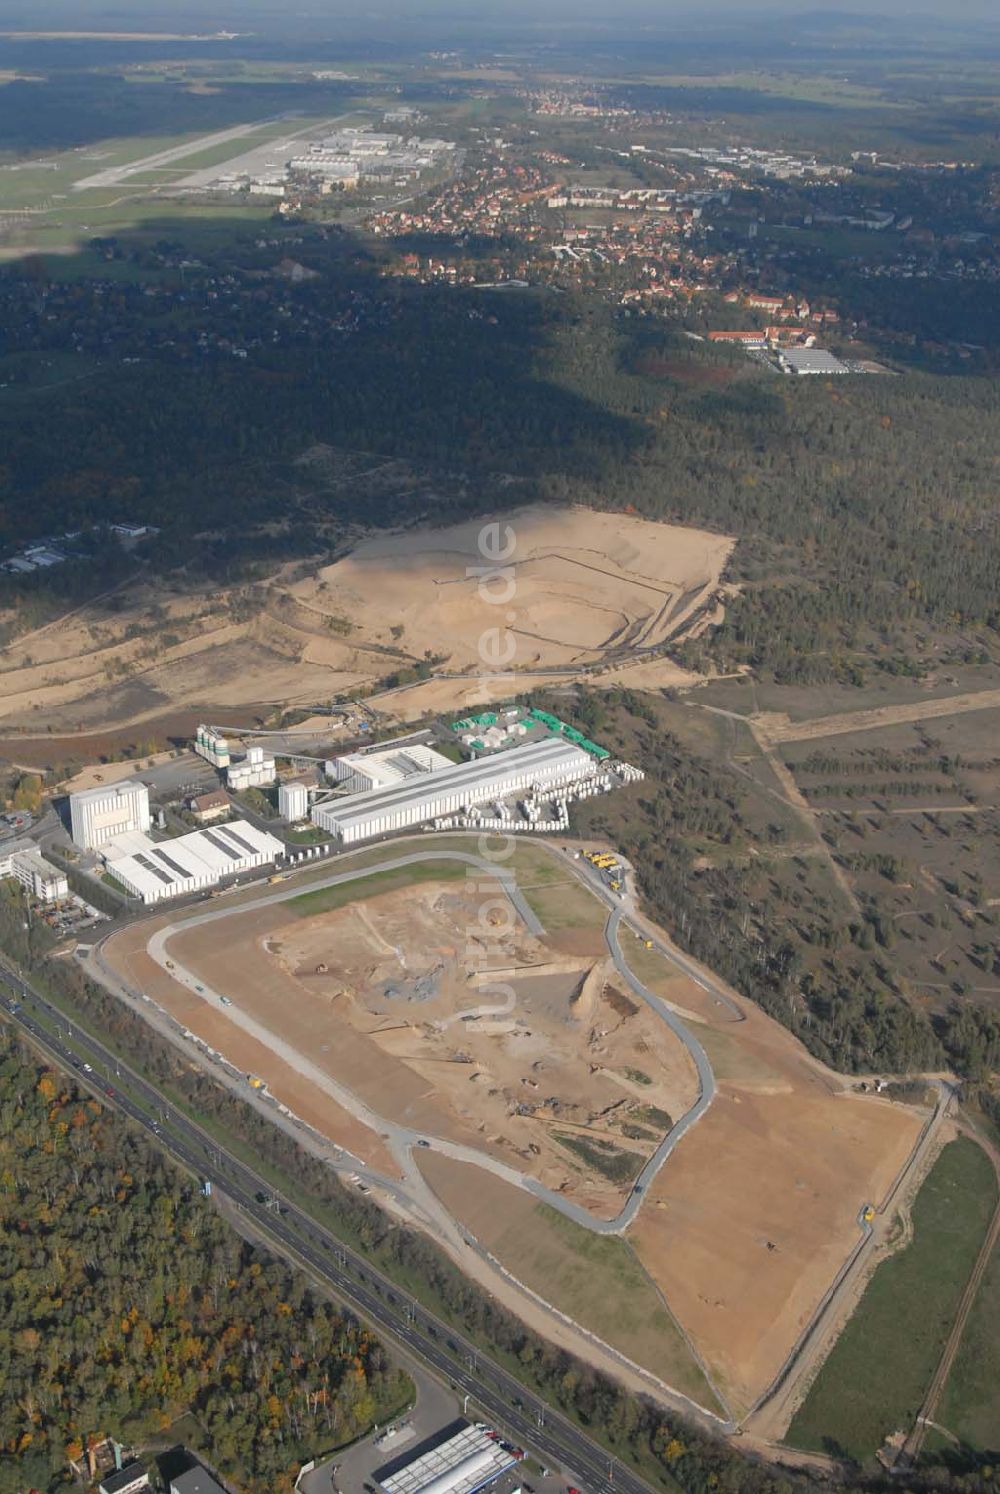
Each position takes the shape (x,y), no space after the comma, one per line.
(492,1048)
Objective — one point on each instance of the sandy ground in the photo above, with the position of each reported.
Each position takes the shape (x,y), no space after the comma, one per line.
(387,982)
(126,954)
(383,996)
(777,727)
(580,582)
(749,1221)
(93,776)
(584,586)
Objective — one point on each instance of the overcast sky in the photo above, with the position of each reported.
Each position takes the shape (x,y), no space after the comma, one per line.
(206,15)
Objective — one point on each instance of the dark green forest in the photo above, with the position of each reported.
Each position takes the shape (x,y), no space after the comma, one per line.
(704,861)
(127,1303)
(865,509)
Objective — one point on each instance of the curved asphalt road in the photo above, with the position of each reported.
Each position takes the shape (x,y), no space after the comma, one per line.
(402,1139)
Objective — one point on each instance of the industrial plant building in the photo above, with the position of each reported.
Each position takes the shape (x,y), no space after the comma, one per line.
(544,766)
(98,815)
(212,746)
(256,770)
(293,801)
(154,870)
(469,1459)
(359,772)
(810,361)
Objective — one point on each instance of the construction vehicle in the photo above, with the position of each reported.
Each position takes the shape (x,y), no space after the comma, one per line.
(868,1213)
(255,1083)
(616,886)
(278,877)
(648,943)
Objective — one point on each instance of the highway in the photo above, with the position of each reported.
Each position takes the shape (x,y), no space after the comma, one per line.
(516,1410)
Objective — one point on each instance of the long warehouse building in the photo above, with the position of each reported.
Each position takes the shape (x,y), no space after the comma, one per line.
(154,870)
(546,766)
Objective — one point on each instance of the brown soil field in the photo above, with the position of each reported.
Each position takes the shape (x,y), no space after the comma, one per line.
(586,586)
(582,583)
(126,954)
(750,1219)
(382,994)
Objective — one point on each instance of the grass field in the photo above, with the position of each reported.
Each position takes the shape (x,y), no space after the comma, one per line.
(874,1380)
(565,905)
(325,899)
(595,1279)
(970,1406)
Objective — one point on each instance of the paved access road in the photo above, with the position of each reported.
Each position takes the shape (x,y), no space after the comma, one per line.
(403,1138)
(520,1414)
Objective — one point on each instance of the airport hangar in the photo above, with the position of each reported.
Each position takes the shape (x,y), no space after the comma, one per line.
(545,766)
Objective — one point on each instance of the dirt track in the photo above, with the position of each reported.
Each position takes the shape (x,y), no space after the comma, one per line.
(775,728)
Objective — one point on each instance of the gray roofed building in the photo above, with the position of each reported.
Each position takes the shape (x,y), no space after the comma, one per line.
(548,765)
(132,1479)
(811,361)
(195,1481)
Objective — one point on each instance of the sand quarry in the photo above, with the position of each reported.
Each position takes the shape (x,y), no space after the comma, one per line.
(588,587)
(750,1219)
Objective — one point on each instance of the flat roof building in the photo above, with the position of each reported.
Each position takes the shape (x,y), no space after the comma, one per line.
(97,815)
(22,859)
(547,765)
(811,361)
(360,771)
(132,1479)
(468,1460)
(154,870)
(195,1481)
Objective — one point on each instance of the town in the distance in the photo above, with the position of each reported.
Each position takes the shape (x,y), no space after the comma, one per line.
(499,785)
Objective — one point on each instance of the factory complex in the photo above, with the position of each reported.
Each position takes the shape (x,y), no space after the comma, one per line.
(447,796)
(154,870)
(525,768)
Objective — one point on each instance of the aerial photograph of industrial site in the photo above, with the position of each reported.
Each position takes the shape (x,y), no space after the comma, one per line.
(499,748)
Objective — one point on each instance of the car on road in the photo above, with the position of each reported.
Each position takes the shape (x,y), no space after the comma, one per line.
(87,1069)
(109,1091)
(422,1142)
(224,999)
